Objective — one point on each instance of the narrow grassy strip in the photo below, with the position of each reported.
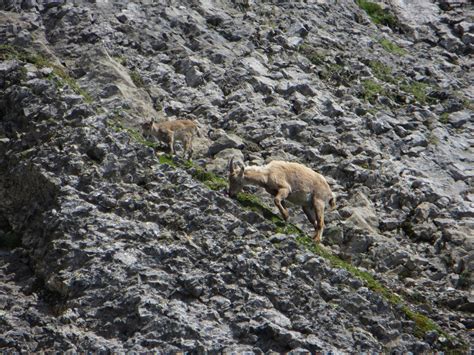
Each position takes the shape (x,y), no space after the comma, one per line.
(209,179)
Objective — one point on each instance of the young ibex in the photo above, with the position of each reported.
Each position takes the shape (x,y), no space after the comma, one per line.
(169,132)
(291,181)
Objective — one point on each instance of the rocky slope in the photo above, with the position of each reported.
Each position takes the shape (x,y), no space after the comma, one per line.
(106,247)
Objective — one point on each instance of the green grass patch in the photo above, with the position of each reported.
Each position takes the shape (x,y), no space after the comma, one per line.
(332,72)
(60,76)
(137,79)
(381,71)
(209,179)
(418,90)
(468,104)
(166,159)
(117,125)
(444,117)
(423,324)
(371,90)
(392,47)
(377,14)
(314,55)
(337,262)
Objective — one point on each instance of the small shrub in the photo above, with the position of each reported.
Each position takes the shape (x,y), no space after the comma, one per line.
(423,324)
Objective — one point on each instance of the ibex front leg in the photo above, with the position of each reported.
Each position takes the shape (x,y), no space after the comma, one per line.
(318,206)
(279,197)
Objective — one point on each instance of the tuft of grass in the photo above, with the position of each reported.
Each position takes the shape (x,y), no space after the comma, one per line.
(381,71)
(332,71)
(444,117)
(468,104)
(423,324)
(209,179)
(166,159)
(137,79)
(121,60)
(314,56)
(377,14)
(418,90)
(392,47)
(371,90)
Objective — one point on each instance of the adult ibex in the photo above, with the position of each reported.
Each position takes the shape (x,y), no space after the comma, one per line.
(169,132)
(287,181)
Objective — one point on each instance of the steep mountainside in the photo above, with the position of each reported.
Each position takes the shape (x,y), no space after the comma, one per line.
(109,245)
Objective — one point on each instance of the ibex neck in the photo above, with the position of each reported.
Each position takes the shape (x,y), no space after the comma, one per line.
(255,175)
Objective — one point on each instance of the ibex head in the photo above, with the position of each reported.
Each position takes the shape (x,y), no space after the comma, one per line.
(146,126)
(236,178)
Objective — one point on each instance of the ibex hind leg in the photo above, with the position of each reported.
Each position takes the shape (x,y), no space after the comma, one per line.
(310,214)
(171,144)
(318,206)
(188,149)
